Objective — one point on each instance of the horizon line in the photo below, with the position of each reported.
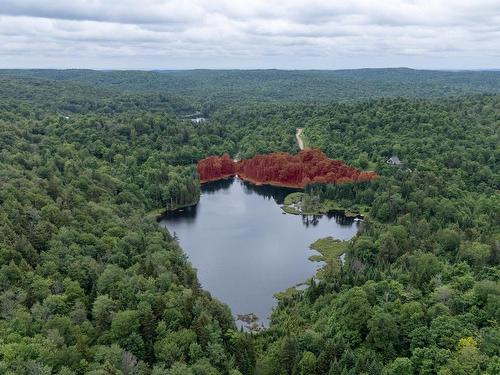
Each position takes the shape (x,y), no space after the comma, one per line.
(261,69)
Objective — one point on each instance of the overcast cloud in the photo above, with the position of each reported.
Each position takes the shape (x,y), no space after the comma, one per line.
(290,34)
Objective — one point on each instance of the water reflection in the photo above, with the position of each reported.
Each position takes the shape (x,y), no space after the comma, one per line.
(187,214)
(276,193)
(215,186)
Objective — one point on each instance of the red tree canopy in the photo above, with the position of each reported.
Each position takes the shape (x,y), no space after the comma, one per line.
(216,167)
(280,168)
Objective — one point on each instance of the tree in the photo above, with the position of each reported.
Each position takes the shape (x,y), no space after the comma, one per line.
(103,310)
(383,332)
(307,364)
(448,239)
(400,366)
(476,253)
(125,329)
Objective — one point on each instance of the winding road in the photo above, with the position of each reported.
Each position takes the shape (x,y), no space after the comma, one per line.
(298,135)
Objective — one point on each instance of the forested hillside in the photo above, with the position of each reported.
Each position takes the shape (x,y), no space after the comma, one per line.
(211,89)
(420,291)
(90,284)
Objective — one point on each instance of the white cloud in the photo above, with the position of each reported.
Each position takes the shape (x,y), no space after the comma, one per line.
(252,33)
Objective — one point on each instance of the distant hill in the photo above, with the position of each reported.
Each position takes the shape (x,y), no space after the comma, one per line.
(218,87)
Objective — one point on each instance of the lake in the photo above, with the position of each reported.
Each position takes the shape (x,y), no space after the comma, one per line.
(243,246)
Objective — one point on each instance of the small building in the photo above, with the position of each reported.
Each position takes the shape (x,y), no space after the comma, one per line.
(198,120)
(394,160)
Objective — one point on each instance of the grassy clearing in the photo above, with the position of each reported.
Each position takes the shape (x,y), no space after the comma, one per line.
(330,250)
(300,203)
(292,203)
(293,198)
(291,210)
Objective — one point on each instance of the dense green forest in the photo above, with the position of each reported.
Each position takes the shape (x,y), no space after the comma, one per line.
(210,89)
(90,284)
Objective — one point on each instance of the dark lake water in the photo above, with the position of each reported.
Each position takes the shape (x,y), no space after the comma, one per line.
(245,249)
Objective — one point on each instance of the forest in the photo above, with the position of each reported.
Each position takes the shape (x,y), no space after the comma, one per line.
(90,284)
(208,90)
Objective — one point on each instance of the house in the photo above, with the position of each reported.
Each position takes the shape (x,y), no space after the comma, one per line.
(394,160)
(198,120)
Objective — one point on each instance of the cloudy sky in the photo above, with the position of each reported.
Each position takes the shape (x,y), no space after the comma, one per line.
(290,34)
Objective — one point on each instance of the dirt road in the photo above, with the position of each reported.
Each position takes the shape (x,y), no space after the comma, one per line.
(298,135)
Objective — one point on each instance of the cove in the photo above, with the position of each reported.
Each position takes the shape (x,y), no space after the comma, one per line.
(243,246)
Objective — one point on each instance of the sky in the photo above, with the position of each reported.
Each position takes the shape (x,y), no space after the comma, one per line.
(250,34)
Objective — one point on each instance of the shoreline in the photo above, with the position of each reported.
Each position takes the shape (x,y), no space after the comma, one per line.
(255,182)
(293,205)
(223,177)
(158,213)
(271,183)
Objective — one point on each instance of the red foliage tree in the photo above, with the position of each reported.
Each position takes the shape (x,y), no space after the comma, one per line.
(280,168)
(216,167)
